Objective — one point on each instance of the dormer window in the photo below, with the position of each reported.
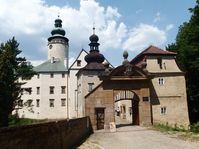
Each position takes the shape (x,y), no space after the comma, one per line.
(79,62)
(159,60)
(90,87)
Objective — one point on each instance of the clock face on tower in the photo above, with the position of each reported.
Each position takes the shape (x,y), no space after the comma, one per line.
(50,46)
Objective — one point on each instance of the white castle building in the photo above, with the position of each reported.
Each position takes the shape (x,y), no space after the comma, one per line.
(145,90)
(54,93)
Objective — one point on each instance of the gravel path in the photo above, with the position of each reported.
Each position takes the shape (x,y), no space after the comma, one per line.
(135,137)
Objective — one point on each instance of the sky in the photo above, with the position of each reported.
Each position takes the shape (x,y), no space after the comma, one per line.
(130,25)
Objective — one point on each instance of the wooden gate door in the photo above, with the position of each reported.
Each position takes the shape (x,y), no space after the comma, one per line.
(135,108)
(100,117)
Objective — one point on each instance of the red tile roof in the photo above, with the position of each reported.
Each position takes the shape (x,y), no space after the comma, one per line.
(151,50)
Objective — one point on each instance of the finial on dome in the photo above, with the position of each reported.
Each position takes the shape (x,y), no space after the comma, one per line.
(93,27)
(125,55)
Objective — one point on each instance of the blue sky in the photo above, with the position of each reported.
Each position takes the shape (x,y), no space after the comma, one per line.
(130,25)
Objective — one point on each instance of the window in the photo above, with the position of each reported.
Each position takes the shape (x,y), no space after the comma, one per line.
(146,99)
(161,81)
(22,91)
(37,102)
(20,103)
(52,89)
(51,75)
(79,89)
(90,87)
(63,102)
(79,62)
(159,60)
(30,91)
(63,75)
(51,102)
(63,89)
(27,90)
(38,90)
(37,76)
(163,110)
(29,103)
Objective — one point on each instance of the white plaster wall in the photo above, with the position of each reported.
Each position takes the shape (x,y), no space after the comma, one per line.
(59,50)
(168,65)
(171,95)
(44,110)
(73,99)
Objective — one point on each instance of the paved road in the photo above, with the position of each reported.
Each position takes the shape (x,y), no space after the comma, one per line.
(134,137)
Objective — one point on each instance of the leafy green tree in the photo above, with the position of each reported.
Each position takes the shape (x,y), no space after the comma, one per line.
(12,67)
(187,47)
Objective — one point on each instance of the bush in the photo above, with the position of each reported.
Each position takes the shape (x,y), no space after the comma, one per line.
(166,127)
(195,127)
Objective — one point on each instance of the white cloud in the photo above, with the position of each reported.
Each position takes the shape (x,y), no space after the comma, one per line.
(31,22)
(144,35)
(169,27)
(112,12)
(157,17)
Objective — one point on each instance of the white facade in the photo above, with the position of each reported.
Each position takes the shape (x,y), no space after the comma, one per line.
(57,92)
(73,92)
(47,99)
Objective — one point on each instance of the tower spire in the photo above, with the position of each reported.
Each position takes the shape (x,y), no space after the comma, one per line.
(93,27)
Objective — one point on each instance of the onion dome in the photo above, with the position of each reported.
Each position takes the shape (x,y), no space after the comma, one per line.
(94,56)
(94,41)
(58,31)
(58,28)
(94,38)
(94,59)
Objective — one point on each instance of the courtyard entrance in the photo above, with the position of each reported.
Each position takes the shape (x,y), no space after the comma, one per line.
(122,98)
(126,108)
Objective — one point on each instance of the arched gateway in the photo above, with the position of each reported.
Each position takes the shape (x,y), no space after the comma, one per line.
(125,81)
(126,107)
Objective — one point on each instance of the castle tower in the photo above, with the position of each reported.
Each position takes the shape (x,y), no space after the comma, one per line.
(58,43)
(94,59)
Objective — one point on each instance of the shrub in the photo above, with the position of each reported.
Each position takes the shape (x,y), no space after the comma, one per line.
(195,127)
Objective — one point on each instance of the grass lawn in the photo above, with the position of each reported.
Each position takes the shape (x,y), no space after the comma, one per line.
(178,132)
(13,121)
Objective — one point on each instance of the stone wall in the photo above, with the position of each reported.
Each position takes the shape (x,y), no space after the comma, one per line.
(64,134)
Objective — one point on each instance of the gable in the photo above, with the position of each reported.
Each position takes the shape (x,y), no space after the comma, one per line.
(79,61)
(128,71)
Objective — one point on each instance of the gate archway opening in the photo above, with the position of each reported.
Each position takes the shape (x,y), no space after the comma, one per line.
(126,108)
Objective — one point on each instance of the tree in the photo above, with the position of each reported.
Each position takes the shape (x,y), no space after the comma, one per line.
(12,67)
(187,47)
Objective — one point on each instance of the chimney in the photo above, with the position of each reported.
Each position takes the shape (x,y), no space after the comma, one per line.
(52,60)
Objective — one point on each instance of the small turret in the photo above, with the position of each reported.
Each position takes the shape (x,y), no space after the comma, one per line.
(58,43)
(94,59)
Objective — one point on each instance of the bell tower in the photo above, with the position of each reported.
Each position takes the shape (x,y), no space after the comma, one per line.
(58,44)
